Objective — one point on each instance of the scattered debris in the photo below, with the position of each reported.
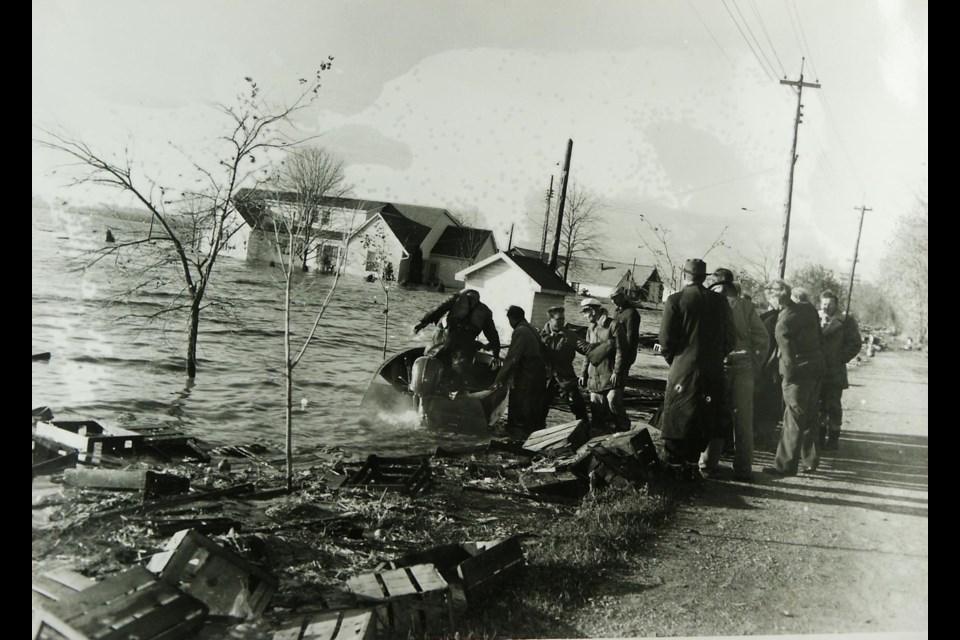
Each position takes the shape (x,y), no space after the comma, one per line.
(150,483)
(410,600)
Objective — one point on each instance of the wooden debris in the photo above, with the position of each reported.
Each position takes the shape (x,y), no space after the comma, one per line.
(405,474)
(41,356)
(636,442)
(228,584)
(131,604)
(49,456)
(151,483)
(354,624)
(569,435)
(89,438)
(411,600)
(42,413)
(555,484)
(210,525)
(489,563)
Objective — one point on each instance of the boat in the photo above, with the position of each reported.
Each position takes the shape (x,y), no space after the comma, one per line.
(409,381)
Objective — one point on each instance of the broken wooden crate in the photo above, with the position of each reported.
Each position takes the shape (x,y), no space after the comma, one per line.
(566,436)
(405,474)
(49,456)
(51,587)
(227,583)
(89,438)
(131,604)
(409,600)
(351,624)
(555,483)
(147,481)
(168,443)
(473,569)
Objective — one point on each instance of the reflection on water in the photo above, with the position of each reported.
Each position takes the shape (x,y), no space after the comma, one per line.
(107,366)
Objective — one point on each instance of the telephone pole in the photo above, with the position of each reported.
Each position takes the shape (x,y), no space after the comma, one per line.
(546,223)
(563,199)
(856,250)
(800,84)
(510,241)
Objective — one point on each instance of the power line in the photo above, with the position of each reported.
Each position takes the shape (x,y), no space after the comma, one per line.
(750,31)
(717,42)
(803,35)
(804,48)
(763,26)
(745,39)
(843,147)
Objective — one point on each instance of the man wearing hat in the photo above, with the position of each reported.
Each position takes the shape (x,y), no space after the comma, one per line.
(740,367)
(798,338)
(560,348)
(467,317)
(696,333)
(602,348)
(526,369)
(841,344)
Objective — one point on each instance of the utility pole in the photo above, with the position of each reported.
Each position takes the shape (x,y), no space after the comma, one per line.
(800,84)
(856,250)
(510,241)
(563,199)
(546,223)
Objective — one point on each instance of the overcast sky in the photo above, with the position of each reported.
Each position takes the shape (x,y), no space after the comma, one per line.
(674,106)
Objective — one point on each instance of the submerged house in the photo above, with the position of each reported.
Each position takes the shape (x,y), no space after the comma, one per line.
(419,243)
(511,278)
(599,278)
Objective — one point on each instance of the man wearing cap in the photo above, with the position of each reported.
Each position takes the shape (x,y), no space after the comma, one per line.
(841,344)
(560,348)
(696,333)
(602,349)
(740,367)
(526,368)
(627,319)
(467,317)
(798,338)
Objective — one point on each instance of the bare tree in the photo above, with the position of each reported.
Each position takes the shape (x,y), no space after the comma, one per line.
(906,267)
(311,175)
(581,232)
(199,223)
(376,243)
(291,227)
(656,240)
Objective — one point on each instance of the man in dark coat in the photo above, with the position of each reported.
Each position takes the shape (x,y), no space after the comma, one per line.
(768,394)
(798,338)
(628,327)
(560,348)
(526,369)
(467,317)
(841,344)
(696,333)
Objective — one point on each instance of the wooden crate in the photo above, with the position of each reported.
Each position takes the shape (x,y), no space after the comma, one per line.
(555,484)
(569,435)
(404,474)
(410,600)
(350,624)
(226,583)
(53,586)
(89,438)
(490,563)
(49,456)
(132,604)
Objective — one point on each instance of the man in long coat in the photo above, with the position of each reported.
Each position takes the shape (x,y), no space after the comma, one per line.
(841,343)
(768,394)
(526,369)
(798,338)
(603,349)
(560,349)
(696,333)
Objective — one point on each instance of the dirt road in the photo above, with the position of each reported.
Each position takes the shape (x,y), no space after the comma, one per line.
(844,550)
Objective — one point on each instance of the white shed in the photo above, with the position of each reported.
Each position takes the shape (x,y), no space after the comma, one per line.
(505,279)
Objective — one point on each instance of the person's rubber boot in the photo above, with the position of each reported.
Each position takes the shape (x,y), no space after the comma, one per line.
(833,441)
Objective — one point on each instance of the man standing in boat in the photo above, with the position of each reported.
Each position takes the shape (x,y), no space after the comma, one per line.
(467,317)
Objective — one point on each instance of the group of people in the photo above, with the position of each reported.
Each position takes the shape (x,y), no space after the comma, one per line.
(734,373)
(539,365)
(726,359)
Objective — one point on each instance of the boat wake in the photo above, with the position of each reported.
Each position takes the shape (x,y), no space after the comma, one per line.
(408,419)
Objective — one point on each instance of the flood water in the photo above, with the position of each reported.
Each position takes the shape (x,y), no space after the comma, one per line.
(109,365)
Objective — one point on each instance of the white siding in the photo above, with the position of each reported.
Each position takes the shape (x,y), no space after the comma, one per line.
(501,285)
(357,253)
(541,303)
(448,267)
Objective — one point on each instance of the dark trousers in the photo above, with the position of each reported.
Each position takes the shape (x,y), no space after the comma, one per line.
(571,393)
(801,427)
(684,450)
(525,404)
(831,411)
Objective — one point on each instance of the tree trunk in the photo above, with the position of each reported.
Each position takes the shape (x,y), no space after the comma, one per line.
(289,371)
(193,335)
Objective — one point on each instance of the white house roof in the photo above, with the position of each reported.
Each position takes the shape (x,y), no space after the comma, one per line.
(545,279)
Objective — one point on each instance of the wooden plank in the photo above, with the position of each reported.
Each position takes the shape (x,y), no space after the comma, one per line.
(50,589)
(572,434)
(104,591)
(174,619)
(427,577)
(120,611)
(490,564)
(70,578)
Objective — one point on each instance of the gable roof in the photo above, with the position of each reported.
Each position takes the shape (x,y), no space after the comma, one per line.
(409,232)
(427,216)
(460,242)
(607,272)
(252,204)
(548,281)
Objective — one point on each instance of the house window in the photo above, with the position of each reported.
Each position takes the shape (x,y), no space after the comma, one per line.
(372,261)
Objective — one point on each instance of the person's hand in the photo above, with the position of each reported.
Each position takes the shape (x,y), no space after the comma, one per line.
(613,379)
(495,363)
(417,327)
(582,381)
